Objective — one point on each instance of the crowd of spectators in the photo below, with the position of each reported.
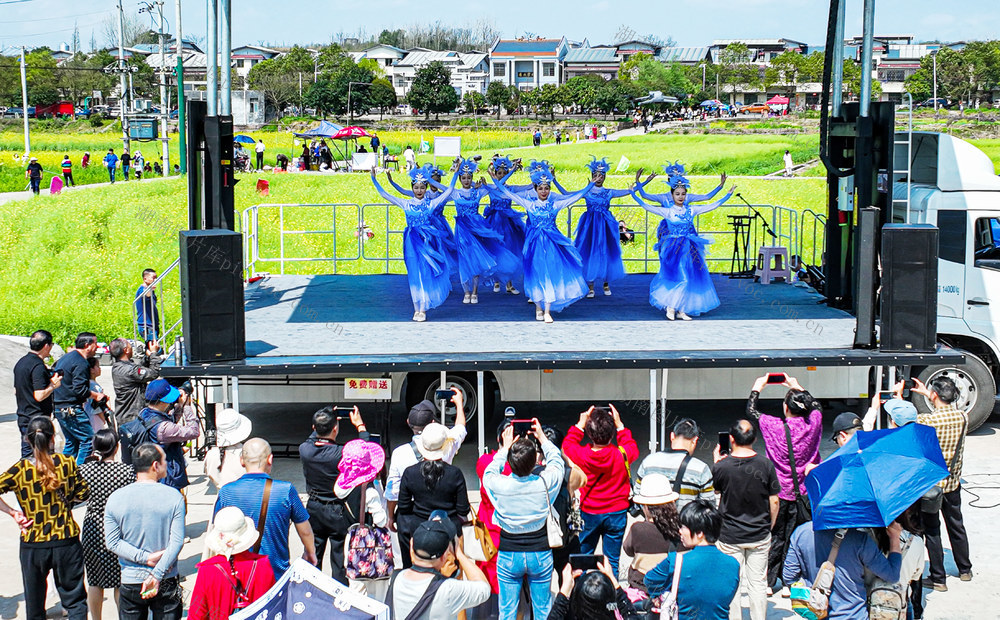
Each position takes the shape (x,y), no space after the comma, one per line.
(555,512)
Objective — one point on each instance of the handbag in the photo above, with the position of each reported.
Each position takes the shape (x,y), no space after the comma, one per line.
(803,512)
(481,534)
(368,548)
(669,609)
(933,499)
(813,602)
(552,527)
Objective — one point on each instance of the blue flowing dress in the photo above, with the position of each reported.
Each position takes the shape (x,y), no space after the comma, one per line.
(553,269)
(481,249)
(438,220)
(598,238)
(425,254)
(510,225)
(683,281)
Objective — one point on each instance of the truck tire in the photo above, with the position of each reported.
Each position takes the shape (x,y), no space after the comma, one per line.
(421,386)
(977,388)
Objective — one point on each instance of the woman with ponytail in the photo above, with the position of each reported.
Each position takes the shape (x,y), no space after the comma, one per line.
(47,486)
(792,437)
(104,476)
(430,485)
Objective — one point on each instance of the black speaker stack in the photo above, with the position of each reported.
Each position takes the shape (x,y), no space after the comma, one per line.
(909,288)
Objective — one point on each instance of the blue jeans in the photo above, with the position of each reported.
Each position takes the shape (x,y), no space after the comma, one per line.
(78,431)
(512,567)
(148,332)
(125,170)
(36,184)
(609,525)
(111,173)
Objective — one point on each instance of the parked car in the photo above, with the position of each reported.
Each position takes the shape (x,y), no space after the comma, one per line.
(929,103)
(755,108)
(19,112)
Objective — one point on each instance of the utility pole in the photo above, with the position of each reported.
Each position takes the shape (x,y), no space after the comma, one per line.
(24,103)
(181,116)
(226,66)
(123,70)
(934,58)
(164,135)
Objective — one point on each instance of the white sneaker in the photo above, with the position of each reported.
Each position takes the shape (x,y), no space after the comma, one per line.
(496,287)
(539,315)
(683,316)
(670,314)
(607,290)
(419,317)
(548,318)
(512,290)
(590,294)
(467,298)
(474,299)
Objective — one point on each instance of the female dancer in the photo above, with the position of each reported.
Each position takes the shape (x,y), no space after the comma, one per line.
(424,251)
(434,189)
(507,222)
(481,249)
(597,236)
(683,286)
(553,269)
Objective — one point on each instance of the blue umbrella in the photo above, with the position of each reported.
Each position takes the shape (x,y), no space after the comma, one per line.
(874,477)
(244,139)
(711,103)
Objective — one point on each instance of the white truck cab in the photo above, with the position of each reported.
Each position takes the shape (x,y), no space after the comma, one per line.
(953,185)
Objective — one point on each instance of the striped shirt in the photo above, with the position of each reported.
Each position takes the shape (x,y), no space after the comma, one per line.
(951,425)
(697,481)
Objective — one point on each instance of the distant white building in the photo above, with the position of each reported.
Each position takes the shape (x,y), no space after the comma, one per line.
(529,63)
(469,71)
(246,56)
(384,55)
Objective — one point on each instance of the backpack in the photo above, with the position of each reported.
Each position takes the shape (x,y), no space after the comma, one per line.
(135,433)
(887,601)
(814,602)
(368,548)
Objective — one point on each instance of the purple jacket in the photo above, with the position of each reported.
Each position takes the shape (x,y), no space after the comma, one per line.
(806,435)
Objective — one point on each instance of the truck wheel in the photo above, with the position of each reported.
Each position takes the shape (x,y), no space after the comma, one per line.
(976,386)
(423,387)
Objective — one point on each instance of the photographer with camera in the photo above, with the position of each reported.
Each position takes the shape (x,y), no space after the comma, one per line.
(167,405)
(130,378)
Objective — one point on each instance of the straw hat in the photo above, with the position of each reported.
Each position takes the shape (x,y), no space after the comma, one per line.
(655,490)
(232,532)
(231,427)
(432,440)
(361,462)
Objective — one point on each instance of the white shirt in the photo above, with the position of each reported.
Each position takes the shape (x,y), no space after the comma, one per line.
(374,503)
(451,598)
(788,160)
(260,147)
(403,456)
(409,155)
(223,471)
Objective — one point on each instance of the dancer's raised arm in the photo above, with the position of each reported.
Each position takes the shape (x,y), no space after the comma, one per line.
(396,186)
(445,196)
(710,195)
(564,201)
(384,194)
(699,209)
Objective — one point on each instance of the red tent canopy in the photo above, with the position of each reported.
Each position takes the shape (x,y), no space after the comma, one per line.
(350,133)
(777,100)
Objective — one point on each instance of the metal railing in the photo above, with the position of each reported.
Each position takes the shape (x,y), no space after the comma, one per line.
(164,328)
(273,235)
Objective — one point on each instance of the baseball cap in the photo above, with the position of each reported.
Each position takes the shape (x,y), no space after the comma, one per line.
(422,414)
(901,411)
(161,391)
(845,422)
(432,538)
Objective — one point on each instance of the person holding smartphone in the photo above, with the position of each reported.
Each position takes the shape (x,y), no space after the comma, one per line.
(592,594)
(791,441)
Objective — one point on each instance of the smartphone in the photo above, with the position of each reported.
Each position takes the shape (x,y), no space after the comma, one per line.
(375,438)
(59,373)
(509,413)
(443,395)
(585,561)
(724,446)
(885,395)
(908,384)
(522,427)
(343,413)
(776,378)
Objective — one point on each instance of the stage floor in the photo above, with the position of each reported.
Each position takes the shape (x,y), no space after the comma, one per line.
(370,316)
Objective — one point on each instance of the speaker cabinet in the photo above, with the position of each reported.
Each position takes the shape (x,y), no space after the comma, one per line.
(211,263)
(909,288)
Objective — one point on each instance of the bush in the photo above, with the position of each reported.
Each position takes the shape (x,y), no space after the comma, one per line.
(96,121)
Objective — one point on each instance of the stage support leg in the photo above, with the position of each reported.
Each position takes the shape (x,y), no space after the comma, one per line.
(236,393)
(481,411)
(663,407)
(443,384)
(652,410)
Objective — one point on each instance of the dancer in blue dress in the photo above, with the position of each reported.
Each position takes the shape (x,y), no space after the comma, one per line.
(597,236)
(683,285)
(424,251)
(481,251)
(507,222)
(433,175)
(553,269)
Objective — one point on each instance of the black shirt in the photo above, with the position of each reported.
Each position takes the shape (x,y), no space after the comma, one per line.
(35,170)
(527,542)
(126,159)
(745,485)
(321,464)
(417,502)
(75,387)
(30,374)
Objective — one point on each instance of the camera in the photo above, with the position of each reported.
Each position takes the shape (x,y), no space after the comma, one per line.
(187,387)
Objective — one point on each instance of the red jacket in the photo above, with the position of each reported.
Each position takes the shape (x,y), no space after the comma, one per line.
(214,593)
(608,484)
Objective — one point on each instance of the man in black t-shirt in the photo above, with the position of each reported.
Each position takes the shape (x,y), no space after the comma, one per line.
(34,384)
(748,500)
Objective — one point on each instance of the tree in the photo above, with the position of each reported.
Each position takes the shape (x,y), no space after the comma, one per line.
(432,90)
(280,87)
(581,91)
(395,38)
(785,69)
(472,101)
(134,29)
(984,58)
(352,85)
(737,69)
(852,81)
(382,95)
(328,59)
(515,98)
(547,98)
(321,96)
(646,74)
(40,70)
(497,96)
(613,95)
(372,65)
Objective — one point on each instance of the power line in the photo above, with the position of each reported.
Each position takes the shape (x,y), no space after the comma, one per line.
(14,1)
(45,19)
(42,34)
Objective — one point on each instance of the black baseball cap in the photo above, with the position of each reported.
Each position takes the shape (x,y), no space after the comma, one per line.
(422,414)
(846,421)
(432,538)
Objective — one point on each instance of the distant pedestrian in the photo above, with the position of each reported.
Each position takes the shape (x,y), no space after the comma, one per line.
(33,385)
(138,164)
(111,163)
(47,486)
(558,137)
(67,171)
(281,160)
(126,164)
(259,150)
(604,132)
(409,157)
(375,142)
(593,132)
(144,527)
(304,158)
(789,165)
(85,162)
(34,175)
(147,315)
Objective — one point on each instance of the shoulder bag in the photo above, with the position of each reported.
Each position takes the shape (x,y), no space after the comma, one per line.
(423,603)
(368,548)
(262,520)
(813,602)
(669,608)
(803,511)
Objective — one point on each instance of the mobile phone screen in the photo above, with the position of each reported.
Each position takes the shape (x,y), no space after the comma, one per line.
(443,395)
(522,427)
(584,561)
(724,445)
(775,378)
(886,395)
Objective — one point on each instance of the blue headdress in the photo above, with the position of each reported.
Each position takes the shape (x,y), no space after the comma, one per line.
(598,165)
(538,165)
(468,166)
(541,175)
(675,175)
(431,170)
(420,175)
(503,162)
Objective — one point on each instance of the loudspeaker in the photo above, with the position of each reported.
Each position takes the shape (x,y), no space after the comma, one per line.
(864,298)
(909,288)
(211,263)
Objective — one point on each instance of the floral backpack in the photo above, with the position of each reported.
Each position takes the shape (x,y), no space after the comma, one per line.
(368,552)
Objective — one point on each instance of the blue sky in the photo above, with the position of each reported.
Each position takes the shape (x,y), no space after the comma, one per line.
(689,22)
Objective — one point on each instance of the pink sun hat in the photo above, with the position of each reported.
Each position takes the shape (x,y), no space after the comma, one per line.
(361,462)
